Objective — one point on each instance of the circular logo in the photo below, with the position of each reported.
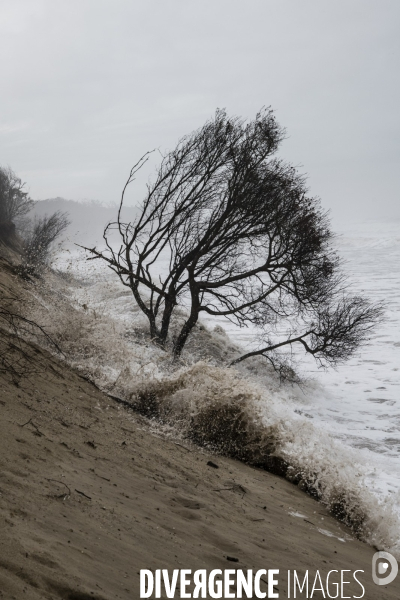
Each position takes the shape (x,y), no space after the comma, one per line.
(381,574)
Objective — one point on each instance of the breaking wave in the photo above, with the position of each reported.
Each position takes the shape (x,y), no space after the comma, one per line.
(218,408)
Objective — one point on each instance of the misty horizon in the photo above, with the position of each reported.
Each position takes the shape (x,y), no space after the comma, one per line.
(92,86)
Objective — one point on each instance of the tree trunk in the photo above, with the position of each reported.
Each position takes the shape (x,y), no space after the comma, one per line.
(166,319)
(184,333)
(155,332)
(190,323)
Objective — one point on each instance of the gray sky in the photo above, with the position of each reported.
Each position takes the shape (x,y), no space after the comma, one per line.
(89,85)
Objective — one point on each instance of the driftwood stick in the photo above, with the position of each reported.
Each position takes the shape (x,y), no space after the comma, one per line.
(83,494)
(184,447)
(33,424)
(61,483)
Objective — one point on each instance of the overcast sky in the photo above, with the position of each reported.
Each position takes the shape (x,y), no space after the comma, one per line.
(87,86)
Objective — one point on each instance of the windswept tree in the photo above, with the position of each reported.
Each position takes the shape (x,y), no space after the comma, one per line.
(14,202)
(242,239)
(14,199)
(32,238)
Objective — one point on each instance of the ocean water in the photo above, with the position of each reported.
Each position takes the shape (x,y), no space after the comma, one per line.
(345,423)
(359,402)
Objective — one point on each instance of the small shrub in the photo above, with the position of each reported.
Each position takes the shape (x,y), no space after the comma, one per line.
(19,358)
(39,241)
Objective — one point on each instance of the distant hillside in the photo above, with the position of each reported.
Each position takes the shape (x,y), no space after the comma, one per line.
(88,219)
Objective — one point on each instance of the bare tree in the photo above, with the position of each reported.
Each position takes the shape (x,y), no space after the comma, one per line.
(243,240)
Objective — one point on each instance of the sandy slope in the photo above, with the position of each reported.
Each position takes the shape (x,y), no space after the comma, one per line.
(89,495)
